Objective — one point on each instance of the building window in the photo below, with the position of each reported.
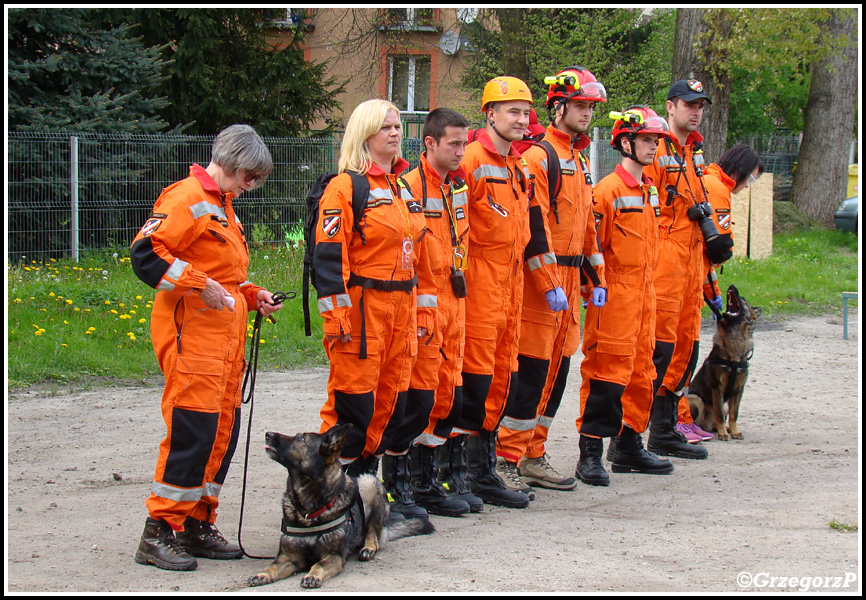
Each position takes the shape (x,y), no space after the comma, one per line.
(409,83)
(409,19)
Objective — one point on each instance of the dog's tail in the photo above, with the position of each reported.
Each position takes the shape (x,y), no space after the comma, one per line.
(409,527)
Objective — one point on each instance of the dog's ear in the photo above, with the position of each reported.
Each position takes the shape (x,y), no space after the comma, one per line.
(333,440)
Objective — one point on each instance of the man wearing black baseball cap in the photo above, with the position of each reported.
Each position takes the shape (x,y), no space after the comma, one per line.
(679,274)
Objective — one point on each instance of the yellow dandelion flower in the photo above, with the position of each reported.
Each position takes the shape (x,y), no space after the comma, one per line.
(142,320)
(77,309)
(138,297)
(91,328)
(51,294)
(69,302)
(107,302)
(64,345)
(39,332)
(112,311)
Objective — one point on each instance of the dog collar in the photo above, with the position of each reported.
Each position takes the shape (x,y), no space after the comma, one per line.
(328,506)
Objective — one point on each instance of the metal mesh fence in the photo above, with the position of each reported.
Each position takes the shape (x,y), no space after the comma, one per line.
(119,178)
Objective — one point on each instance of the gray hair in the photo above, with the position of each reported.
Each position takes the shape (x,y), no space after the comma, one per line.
(240,147)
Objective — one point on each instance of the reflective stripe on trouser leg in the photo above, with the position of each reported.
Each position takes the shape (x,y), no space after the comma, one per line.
(551,398)
(521,411)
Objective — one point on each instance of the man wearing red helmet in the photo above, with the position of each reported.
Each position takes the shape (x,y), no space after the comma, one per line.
(498,207)
(677,173)
(550,328)
(617,370)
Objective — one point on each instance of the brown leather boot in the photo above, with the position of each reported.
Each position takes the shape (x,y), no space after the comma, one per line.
(159,547)
(203,539)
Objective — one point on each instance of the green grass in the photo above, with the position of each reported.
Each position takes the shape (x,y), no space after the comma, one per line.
(72,322)
(843,527)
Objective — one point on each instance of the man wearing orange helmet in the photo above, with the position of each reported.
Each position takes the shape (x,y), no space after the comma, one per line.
(617,370)
(498,209)
(550,329)
(677,173)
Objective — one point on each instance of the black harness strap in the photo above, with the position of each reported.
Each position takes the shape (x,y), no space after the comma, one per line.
(734,368)
(385,285)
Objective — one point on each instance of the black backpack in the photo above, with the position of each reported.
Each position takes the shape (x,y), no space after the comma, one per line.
(360,193)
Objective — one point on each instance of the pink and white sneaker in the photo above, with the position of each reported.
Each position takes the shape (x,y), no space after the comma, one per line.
(706,436)
(686,430)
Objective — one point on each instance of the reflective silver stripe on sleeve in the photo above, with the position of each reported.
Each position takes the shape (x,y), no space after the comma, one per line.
(668,161)
(327,303)
(174,272)
(379,193)
(427,301)
(536,262)
(518,424)
(654,200)
(490,171)
(245,283)
(698,159)
(596,259)
(627,202)
(712,277)
(406,194)
(204,207)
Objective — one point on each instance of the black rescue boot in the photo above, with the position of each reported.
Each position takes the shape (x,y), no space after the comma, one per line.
(204,540)
(159,547)
(630,456)
(664,439)
(428,492)
(454,472)
(590,469)
(483,479)
(396,477)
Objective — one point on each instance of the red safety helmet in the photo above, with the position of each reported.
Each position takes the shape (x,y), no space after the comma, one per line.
(635,120)
(574,83)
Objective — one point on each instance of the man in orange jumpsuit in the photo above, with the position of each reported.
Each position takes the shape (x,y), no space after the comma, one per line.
(679,276)
(550,328)
(499,217)
(435,396)
(617,370)
(193,251)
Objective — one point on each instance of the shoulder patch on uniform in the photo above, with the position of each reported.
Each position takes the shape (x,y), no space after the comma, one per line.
(331,225)
(332,211)
(725,221)
(414,206)
(150,227)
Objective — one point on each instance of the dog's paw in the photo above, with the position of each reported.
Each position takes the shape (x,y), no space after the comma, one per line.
(311,581)
(736,436)
(260,579)
(366,554)
(723,436)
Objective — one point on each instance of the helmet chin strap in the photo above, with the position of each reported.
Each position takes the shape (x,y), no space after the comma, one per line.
(493,126)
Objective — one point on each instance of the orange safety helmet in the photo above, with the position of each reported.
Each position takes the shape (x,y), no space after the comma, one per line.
(504,89)
(574,83)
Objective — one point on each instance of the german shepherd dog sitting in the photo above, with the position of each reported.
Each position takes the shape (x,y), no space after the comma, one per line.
(717,388)
(326,514)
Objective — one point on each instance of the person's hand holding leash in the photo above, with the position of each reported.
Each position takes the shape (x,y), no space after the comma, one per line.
(265,303)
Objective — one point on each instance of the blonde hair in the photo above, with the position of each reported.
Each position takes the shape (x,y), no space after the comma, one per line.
(367,119)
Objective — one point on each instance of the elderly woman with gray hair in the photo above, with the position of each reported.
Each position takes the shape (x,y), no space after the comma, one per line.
(192,250)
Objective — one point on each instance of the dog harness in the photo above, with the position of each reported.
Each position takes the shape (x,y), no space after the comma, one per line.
(349,518)
(734,369)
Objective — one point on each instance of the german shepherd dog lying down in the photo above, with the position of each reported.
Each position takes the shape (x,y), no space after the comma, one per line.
(717,388)
(326,514)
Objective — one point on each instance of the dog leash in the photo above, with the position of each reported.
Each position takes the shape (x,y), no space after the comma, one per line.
(250,377)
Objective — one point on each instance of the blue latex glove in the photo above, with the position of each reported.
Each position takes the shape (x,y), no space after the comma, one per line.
(599,296)
(556,299)
(716,303)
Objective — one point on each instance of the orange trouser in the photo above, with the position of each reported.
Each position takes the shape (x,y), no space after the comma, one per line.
(679,279)
(437,373)
(492,331)
(617,370)
(547,341)
(201,354)
(370,393)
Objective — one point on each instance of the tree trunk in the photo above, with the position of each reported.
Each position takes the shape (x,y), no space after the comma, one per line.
(691,23)
(821,175)
(512,22)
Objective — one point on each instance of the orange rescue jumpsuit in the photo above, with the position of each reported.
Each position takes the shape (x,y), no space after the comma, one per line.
(619,338)
(194,234)
(719,187)
(680,270)
(436,387)
(548,339)
(366,288)
(498,236)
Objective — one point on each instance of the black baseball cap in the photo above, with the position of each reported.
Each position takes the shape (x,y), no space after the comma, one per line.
(688,90)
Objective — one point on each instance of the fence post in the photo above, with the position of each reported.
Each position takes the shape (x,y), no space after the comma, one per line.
(73,194)
(593,156)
